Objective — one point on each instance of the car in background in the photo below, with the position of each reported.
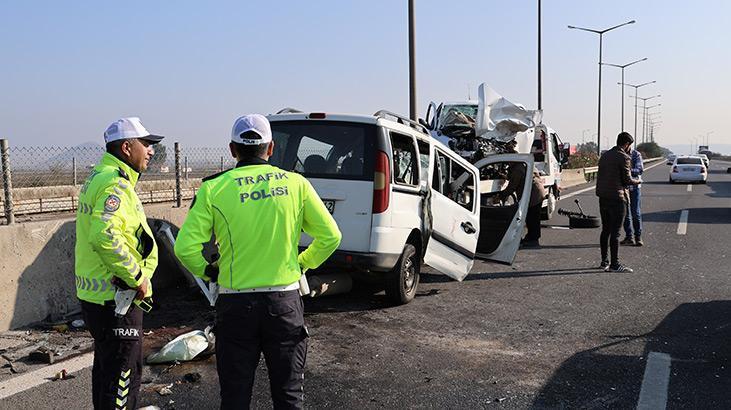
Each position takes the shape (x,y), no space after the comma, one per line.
(671,159)
(705,159)
(688,169)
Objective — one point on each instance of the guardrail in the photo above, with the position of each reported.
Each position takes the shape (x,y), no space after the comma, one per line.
(590,172)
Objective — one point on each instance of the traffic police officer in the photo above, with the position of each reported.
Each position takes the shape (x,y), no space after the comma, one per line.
(115,249)
(257,213)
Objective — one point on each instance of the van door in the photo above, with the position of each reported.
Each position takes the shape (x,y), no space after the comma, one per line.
(455,212)
(505,188)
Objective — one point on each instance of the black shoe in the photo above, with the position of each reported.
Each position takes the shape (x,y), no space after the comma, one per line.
(619,268)
(628,241)
(531,244)
(638,241)
(604,265)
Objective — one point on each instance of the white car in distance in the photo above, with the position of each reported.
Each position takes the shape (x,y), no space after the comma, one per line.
(688,169)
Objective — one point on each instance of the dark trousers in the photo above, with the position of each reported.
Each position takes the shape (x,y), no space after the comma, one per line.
(115,377)
(248,324)
(634,214)
(612,212)
(533,223)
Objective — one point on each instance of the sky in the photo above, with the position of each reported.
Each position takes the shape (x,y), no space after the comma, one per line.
(188,69)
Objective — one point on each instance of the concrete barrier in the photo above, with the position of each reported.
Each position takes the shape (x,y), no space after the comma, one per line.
(572,177)
(37,266)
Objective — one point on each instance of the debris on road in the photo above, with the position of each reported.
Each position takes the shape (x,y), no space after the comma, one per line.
(62,375)
(17,367)
(185,347)
(194,377)
(165,390)
(78,324)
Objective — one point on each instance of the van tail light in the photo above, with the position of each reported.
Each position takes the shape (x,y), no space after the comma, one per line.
(675,169)
(381,183)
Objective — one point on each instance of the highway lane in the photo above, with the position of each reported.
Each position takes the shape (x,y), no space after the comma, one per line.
(551,331)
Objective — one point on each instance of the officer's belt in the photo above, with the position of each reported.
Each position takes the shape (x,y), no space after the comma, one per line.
(294,286)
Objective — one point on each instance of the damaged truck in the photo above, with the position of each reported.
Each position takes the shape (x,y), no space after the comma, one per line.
(476,129)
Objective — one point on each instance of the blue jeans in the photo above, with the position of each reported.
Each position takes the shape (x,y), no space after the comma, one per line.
(633,219)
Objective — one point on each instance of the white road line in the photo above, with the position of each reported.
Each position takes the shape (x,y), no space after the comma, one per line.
(683,223)
(690,188)
(654,392)
(581,191)
(37,377)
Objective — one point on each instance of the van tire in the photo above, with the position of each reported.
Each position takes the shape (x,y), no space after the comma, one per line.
(402,281)
(548,211)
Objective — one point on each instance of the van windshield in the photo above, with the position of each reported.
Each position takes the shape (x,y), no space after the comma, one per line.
(458,115)
(324,149)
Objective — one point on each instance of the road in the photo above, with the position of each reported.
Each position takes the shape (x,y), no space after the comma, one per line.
(550,331)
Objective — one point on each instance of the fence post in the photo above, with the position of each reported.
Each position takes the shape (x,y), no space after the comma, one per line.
(178,193)
(185,160)
(73,161)
(7,184)
(221,164)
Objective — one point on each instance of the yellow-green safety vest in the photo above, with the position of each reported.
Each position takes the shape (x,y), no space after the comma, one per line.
(257,213)
(112,234)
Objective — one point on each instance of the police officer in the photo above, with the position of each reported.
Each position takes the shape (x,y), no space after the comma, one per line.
(115,249)
(257,213)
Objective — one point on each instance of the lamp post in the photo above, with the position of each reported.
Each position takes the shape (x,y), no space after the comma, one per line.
(644,105)
(540,96)
(599,104)
(623,66)
(412,63)
(636,87)
(708,139)
(646,120)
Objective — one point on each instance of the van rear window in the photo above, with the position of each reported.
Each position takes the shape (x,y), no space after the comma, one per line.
(689,161)
(325,149)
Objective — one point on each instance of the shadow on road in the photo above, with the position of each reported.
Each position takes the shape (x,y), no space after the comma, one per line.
(721,189)
(436,278)
(695,335)
(695,216)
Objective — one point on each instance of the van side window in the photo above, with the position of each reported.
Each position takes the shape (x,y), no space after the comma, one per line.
(424,160)
(405,161)
(454,181)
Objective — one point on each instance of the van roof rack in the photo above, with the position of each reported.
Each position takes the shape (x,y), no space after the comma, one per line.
(289,110)
(402,120)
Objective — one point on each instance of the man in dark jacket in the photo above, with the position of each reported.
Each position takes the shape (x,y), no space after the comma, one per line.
(533,218)
(611,187)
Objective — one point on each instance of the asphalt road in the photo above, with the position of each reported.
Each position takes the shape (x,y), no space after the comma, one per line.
(550,331)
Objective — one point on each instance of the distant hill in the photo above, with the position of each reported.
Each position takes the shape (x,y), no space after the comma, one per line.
(86,154)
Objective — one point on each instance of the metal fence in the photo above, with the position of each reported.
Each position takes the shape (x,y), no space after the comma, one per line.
(46,179)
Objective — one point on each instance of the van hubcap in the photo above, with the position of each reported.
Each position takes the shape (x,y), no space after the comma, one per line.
(410,274)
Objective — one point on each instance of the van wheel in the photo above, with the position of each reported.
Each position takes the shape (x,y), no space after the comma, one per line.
(402,281)
(547,212)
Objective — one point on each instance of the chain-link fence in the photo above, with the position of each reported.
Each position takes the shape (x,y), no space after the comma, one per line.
(47,179)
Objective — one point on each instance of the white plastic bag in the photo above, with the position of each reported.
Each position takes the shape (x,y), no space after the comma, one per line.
(184,347)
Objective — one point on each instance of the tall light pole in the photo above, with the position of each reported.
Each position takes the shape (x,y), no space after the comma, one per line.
(599,104)
(540,97)
(623,66)
(412,63)
(644,105)
(646,122)
(636,87)
(708,140)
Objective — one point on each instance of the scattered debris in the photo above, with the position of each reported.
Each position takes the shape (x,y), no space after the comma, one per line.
(61,328)
(62,375)
(17,367)
(78,324)
(42,354)
(185,347)
(149,408)
(501,399)
(165,390)
(148,333)
(194,377)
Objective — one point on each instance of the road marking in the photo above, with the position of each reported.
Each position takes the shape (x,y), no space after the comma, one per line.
(683,224)
(654,392)
(690,188)
(581,191)
(37,377)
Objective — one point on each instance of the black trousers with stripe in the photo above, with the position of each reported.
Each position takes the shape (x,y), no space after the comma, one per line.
(117,355)
(249,324)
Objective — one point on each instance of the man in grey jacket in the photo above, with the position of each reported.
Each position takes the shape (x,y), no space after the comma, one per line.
(614,177)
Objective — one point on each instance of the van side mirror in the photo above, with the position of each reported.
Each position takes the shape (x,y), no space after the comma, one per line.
(424,123)
(565,153)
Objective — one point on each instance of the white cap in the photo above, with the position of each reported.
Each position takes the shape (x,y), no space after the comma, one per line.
(128,128)
(251,122)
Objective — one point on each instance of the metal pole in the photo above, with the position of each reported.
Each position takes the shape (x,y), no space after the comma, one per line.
(644,119)
(623,105)
(636,102)
(599,104)
(7,184)
(186,167)
(73,162)
(412,63)
(178,191)
(221,164)
(540,99)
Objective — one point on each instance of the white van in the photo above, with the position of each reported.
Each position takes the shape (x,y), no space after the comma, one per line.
(453,124)
(401,198)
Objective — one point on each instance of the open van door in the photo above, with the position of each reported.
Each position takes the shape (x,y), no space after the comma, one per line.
(455,210)
(505,188)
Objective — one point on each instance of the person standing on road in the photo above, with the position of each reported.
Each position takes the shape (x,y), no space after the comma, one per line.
(533,218)
(634,211)
(612,180)
(115,249)
(257,213)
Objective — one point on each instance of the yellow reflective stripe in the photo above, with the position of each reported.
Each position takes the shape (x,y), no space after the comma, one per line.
(126,374)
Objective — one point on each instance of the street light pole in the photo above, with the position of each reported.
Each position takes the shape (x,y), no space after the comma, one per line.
(623,66)
(636,87)
(645,116)
(644,105)
(412,63)
(540,97)
(599,104)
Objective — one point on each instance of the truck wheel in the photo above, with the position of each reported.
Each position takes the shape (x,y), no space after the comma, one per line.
(547,212)
(402,281)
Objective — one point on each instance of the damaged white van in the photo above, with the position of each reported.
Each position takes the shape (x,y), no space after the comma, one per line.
(402,198)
